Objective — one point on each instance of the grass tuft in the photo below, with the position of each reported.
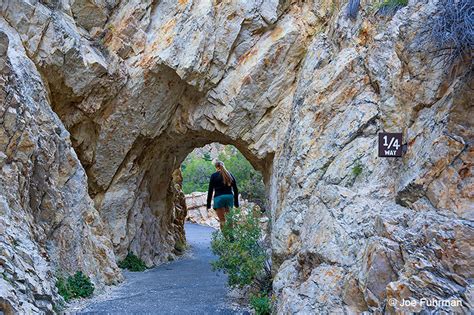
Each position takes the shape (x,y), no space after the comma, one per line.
(180,246)
(452,30)
(357,170)
(261,304)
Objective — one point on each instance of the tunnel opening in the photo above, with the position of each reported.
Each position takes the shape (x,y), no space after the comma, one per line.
(178,154)
(196,170)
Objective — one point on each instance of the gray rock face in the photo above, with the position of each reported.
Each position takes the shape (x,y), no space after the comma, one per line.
(198,212)
(102,100)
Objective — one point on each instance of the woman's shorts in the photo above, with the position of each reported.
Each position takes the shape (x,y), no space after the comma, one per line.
(224,201)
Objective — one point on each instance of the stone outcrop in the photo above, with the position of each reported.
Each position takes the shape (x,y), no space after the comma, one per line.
(212,150)
(48,222)
(198,212)
(102,100)
(180,213)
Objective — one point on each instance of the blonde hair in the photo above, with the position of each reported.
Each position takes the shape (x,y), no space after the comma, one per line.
(224,172)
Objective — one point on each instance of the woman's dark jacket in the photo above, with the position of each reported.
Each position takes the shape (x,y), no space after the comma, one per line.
(216,184)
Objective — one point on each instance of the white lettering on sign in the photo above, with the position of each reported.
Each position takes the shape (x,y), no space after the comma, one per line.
(393,143)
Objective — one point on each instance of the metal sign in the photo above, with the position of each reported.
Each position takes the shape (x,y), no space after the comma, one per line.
(390,144)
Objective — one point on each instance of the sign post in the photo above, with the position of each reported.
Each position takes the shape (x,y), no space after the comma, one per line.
(390,144)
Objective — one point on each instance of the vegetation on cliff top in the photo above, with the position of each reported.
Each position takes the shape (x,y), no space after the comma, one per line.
(391,6)
(452,30)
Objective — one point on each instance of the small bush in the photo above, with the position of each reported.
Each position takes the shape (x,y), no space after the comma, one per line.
(132,263)
(73,287)
(357,170)
(261,304)
(388,7)
(239,253)
(452,30)
(180,246)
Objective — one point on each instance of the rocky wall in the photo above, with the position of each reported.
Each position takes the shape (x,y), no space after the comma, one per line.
(48,224)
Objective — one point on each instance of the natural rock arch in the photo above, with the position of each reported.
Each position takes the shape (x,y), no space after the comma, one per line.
(130,178)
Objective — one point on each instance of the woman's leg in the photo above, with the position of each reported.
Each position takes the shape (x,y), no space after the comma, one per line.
(221,215)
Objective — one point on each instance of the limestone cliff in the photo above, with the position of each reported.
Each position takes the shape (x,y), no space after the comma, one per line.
(101,101)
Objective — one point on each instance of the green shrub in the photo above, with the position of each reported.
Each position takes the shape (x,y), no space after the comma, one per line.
(239,253)
(357,170)
(180,246)
(391,6)
(73,287)
(243,258)
(261,304)
(132,263)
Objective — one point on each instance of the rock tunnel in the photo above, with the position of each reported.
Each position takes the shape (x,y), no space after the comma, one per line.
(131,148)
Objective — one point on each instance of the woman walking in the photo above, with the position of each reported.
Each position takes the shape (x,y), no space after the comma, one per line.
(226,194)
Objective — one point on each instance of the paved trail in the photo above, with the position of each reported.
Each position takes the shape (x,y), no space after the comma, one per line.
(186,286)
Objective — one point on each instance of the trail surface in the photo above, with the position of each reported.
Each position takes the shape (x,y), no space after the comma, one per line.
(185,286)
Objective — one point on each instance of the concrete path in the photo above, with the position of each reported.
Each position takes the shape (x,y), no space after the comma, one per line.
(185,286)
